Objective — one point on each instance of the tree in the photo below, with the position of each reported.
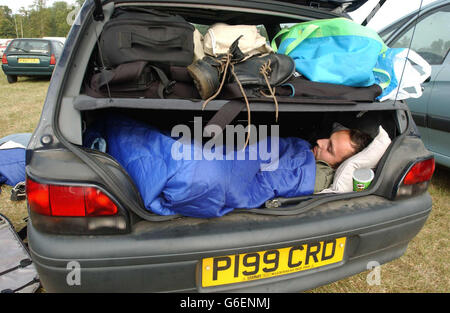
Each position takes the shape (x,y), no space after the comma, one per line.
(60,10)
(7,26)
(37,20)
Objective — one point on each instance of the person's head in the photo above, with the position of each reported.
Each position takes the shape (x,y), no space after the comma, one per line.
(340,146)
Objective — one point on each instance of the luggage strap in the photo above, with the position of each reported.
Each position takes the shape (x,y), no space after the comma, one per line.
(166,86)
(226,114)
(309,92)
(22,264)
(132,70)
(34,281)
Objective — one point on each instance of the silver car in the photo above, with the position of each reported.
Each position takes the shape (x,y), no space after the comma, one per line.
(431,40)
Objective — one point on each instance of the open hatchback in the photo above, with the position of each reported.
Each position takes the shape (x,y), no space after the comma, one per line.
(85,207)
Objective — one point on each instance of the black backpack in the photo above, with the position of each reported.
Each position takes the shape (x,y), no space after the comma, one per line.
(140,34)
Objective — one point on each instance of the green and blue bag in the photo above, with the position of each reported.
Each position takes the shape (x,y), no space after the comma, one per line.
(337,51)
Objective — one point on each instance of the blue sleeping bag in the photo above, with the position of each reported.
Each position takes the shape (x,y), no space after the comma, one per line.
(12,166)
(202,188)
(12,160)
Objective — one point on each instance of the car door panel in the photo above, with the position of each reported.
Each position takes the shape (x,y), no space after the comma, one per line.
(431,112)
(438,115)
(419,106)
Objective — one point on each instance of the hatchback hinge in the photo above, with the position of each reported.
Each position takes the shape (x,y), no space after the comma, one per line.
(98,11)
(374,11)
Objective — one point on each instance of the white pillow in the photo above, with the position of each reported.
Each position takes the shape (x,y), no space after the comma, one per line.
(367,158)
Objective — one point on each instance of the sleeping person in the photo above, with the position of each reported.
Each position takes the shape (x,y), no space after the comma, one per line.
(330,152)
(214,187)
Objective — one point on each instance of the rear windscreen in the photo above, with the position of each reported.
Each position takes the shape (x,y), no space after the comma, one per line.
(29,47)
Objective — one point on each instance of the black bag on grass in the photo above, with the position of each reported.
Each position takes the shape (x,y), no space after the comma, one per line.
(17,271)
(139,34)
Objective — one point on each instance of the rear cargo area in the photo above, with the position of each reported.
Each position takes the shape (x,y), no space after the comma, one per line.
(306,125)
(309,126)
(165,93)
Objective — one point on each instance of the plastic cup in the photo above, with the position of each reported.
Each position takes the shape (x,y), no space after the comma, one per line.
(362,177)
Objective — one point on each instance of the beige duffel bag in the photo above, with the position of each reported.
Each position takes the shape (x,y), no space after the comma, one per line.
(198,46)
(220,36)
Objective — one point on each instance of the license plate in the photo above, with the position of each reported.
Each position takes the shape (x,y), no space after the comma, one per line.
(244,267)
(34,61)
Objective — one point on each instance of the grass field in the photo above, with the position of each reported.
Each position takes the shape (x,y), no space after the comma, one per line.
(423,268)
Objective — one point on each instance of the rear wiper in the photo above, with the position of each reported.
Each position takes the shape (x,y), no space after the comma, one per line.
(22,49)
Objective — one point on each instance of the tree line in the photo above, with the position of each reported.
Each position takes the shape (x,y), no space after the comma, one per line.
(37,20)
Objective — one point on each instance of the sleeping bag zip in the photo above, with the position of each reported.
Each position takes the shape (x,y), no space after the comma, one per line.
(12,158)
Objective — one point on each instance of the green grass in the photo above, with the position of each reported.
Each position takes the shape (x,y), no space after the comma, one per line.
(425,265)
(20,109)
(423,268)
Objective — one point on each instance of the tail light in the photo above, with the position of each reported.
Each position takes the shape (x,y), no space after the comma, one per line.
(4,59)
(73,201)
(420,172)
(52,59)
(416,179)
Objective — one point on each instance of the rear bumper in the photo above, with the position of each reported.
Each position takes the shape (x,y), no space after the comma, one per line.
(160,257)
(28,71)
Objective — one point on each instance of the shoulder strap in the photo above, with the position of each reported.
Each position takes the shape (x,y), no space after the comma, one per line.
(281,32)
(302,35)
(22,264)
(384,76)
(165,85)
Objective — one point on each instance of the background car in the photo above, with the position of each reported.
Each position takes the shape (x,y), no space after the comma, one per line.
(61,39)
(430,35)
(30,57)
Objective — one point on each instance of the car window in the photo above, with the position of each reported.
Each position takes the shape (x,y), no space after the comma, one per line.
(431,37)
(387,34)
(58,47)
(29,47)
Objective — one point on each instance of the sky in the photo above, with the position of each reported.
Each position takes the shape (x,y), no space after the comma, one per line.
(15,5)
(389,12)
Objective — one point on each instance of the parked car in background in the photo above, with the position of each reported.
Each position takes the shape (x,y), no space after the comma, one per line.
(431,112)
(61,39)
(30,57)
